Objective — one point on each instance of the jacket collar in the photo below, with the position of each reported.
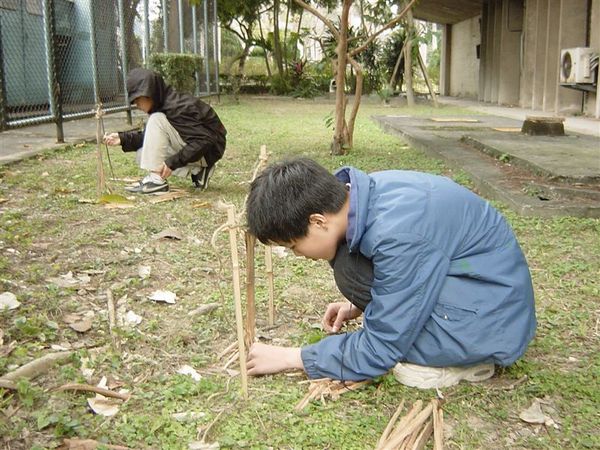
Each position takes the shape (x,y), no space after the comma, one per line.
(360,184)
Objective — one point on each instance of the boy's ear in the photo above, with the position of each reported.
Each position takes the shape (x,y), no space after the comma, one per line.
(317,219)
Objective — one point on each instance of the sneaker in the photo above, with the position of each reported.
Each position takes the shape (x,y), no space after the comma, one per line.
(202,178)
(424,377)
(148,187)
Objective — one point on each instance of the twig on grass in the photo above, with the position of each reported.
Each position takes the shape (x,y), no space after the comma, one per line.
(90,388)
(36,367)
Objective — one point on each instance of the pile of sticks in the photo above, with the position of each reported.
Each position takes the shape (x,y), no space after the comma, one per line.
(415,428)
(323,388)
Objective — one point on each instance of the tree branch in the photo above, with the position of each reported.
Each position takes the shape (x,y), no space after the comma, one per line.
(324,19)
(390,24)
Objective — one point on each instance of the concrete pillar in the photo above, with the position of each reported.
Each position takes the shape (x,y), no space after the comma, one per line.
(593,100)
(527,66)
(571,33)
(552,56)
(540,54)
(509,73)
(445,59)
(489,51)
(482,50)
(497,47)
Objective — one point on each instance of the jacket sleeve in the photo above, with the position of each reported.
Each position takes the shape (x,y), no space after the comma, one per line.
(131,141)
(408,275)
(192,152)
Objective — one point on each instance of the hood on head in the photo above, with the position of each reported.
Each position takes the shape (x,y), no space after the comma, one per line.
(146,83)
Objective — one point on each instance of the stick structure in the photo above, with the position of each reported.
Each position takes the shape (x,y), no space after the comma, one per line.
(237,296)
(414,429)
(270,282)
(101,184)
(250,283)
(323,388)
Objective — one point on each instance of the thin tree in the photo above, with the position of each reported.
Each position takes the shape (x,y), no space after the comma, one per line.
(344,128)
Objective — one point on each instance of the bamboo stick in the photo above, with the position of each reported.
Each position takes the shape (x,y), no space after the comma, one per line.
(90,388)
(101,183)
(250,292)
(36,367)
(390,425)
(237,296)
(438,427)
(423,436)
(270,282)
(401,433)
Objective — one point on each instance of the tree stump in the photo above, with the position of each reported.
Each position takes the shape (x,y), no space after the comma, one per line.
(543,126)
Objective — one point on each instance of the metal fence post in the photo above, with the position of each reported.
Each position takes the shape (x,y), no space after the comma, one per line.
(93,53)
(206,51)
(3,99)
(195,46)
(165,25)
(124,58)
(180,11)
(146,46)
(53,84)
(216,45)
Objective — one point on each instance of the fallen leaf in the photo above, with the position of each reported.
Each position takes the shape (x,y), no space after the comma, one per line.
(199,445)
(8,300)
(169,233)
(102,405)
(188,416)
(189,370)
(81,326)
(280,251)
(132,318)
(70,318)
(3,200)
(201,204)
(113,198)
(144,272)
(88,444)
(534,413)
(163,296)
(68,280)
(165,197)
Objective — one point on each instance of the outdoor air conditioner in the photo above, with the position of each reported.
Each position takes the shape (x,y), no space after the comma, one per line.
(577,65)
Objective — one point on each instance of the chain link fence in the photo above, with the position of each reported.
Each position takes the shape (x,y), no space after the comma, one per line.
(60,58)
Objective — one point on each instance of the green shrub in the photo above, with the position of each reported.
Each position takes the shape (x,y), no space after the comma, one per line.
(178,69)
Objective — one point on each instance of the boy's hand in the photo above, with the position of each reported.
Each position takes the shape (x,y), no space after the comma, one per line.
(112,139)
(338,313)
(264,359)
(165,171)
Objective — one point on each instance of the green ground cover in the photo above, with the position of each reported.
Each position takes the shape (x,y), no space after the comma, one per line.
(46,231)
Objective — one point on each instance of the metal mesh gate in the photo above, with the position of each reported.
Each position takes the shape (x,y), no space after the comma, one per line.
(59,58)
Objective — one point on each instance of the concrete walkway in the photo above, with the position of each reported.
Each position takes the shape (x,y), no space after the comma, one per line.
(21,143)
(534,175)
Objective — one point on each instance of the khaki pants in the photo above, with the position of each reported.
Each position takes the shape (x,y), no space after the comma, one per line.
(162,140)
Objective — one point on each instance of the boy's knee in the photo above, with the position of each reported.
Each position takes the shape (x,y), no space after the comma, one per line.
(157,119)
(353,275)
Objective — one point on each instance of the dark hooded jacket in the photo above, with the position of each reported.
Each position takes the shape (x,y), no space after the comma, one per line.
(195,121)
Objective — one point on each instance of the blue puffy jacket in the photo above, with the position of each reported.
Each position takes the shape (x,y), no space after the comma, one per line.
(451,285)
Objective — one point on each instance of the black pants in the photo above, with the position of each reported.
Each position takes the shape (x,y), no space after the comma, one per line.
(353,275)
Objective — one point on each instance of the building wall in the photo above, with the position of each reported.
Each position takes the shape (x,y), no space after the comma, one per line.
(592,101)
(464,64)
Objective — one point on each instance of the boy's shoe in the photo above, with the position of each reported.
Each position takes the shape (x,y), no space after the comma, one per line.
(147,186)
(424,377)
(202,178)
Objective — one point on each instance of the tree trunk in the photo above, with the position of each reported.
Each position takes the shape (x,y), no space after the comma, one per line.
(410,95)
(285,35)
(262,37)
(298,34)
(134,50)
(276,42)
(340,135)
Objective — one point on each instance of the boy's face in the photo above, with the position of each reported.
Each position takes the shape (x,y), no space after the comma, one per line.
(144,103)
(321,241)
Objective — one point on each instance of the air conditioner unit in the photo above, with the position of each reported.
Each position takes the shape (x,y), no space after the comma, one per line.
(576,65)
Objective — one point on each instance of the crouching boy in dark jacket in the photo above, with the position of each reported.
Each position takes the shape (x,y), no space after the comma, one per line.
(183,135)
(443,283)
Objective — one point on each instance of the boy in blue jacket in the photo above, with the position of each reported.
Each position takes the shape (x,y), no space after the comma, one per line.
(443,283)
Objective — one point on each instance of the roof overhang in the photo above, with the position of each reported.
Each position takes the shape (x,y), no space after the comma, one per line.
(447,11)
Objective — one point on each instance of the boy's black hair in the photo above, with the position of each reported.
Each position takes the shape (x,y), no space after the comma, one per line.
(286,193)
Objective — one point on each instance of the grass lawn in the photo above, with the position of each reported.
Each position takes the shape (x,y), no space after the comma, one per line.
(47,232)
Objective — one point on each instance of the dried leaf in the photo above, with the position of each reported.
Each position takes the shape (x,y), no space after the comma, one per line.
(81,326)
(144,272)
(163,296)
(8,300)
(201,204)
(68,280)
(165,197)
(188,416)
(534,413)
(132,319)
(71,318)
(199,445)
(3,200)
(169,233)
(113,199)
(106,407)
(189,370)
